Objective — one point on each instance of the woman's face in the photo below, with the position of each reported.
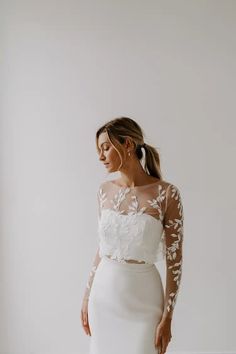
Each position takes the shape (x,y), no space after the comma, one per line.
(107,154)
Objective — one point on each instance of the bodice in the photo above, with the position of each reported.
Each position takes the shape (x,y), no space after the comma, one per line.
(131,221)
(124,237)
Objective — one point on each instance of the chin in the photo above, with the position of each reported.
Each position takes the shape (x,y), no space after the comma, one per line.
(110,169)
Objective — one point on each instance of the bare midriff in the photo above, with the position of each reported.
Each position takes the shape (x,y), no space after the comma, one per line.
(131,261)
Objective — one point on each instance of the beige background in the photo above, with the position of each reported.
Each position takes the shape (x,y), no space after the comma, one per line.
(66,68)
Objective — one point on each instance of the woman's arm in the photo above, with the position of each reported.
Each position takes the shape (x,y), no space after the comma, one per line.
(96,260)
(84,308)
(173,229)
(95,264)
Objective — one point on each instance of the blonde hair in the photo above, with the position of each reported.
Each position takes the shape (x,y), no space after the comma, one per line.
(123,127)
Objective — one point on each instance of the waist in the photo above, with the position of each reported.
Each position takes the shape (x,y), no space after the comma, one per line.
(128,260)
(128,265)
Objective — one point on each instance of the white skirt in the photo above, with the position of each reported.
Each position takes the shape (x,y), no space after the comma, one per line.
(125,306)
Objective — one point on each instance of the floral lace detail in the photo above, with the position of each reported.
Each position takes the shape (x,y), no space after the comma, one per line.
(157,202)
(173,227)
(134,207)
(91,276)
(102,198)
(118,198)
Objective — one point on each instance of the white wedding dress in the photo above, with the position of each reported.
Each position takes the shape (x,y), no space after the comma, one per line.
(126,300)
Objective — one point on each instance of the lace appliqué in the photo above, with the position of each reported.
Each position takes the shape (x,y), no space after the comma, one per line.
(156,203)
(118,199)
(174,229)
(134,207)
(101,197)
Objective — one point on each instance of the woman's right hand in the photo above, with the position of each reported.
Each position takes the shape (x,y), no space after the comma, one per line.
(84,316)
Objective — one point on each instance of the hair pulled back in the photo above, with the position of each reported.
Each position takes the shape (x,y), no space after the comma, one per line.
(118,129)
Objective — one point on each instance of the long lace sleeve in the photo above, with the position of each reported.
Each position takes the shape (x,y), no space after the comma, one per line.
(173,229)
(93,269)
(95,263)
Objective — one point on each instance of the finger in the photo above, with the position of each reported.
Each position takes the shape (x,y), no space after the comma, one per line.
(85,317)
(164,346)
(88,325)
(85,324)
(82,318)
(82,314)
(89,330)
(85,329)
(158,338)
(159,346)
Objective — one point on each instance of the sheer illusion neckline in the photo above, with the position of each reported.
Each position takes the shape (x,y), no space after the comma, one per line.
(135,187)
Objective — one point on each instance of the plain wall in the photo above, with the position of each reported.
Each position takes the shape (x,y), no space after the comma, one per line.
(67,67)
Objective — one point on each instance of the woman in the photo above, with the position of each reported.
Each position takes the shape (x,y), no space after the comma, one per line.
(140,221)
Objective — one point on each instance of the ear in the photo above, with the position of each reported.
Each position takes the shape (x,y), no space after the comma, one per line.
(129,143)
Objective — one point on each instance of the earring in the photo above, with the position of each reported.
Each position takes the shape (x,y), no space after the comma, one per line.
(129,153)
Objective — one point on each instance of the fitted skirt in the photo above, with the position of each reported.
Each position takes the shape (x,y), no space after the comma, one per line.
(125,306)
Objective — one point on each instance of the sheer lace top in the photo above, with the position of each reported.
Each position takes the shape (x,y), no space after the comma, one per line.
(132,221)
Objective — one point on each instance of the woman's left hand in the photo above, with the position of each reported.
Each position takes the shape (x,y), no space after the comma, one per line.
(163,335)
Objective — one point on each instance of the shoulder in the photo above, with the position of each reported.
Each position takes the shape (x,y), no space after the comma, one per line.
(174,203)
(103,186)
(170,185)
(172,190)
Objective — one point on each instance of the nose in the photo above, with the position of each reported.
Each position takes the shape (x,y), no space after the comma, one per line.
(101,156)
